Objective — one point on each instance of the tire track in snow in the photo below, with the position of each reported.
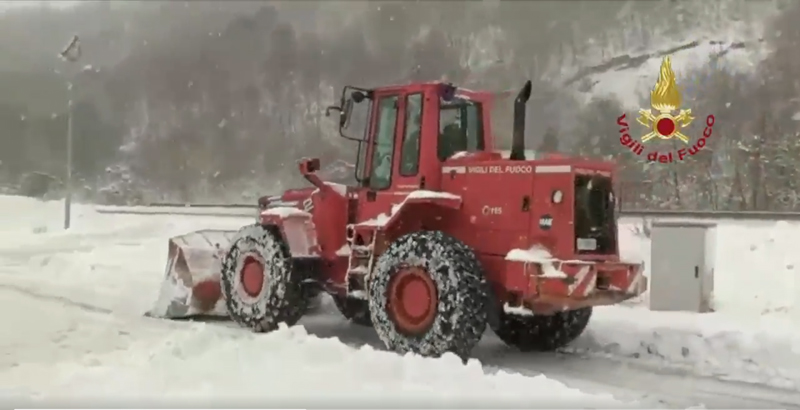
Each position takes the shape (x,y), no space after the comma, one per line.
(669,385)
(638,382)
(629,379)
(55,298)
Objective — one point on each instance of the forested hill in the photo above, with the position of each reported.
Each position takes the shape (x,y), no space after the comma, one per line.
(214,100)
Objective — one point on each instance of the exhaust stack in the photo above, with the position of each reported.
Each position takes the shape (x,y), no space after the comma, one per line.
(518,137)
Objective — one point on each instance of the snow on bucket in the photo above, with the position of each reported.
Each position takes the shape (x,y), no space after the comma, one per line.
(191,283)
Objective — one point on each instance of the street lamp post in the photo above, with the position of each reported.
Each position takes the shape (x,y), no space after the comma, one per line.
(68,178)
(71,54)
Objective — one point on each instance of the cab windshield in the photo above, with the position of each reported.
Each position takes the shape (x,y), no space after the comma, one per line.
(460,127)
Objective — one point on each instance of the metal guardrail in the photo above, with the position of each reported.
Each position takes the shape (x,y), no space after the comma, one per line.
(235,211)
(715,215)
(248,210)
(176,205)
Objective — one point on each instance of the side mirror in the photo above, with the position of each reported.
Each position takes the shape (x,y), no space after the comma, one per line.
(358,96)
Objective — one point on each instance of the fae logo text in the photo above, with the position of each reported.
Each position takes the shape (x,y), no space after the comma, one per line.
(545,222)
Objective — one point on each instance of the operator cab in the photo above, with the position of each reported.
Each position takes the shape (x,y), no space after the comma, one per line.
(406,132)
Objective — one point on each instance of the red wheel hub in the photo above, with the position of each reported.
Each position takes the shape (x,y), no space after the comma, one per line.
(252,276)
(413,299)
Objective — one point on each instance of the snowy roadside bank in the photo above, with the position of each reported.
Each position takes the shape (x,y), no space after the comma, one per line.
(710,344)
(754,333)
(76,356)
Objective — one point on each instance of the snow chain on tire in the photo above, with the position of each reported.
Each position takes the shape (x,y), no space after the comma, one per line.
(461,312)
(543,332)
(281,300)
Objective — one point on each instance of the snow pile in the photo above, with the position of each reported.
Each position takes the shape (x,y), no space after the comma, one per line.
(711,344)
(22,215)
(158,363)
(758,270)
(535,254)
(754,334)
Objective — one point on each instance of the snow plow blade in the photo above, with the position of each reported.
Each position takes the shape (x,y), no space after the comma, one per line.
(191,285)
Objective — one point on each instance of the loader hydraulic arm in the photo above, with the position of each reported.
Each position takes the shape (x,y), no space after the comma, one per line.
(308,168)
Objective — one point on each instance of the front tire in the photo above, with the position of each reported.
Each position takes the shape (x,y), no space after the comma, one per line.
(428,296)
(259,284)
(543,333)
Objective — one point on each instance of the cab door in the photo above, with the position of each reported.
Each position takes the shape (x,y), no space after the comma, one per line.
(377,196)
(407,174)
(393,157)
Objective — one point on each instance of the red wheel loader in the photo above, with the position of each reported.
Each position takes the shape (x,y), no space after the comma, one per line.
(440,237)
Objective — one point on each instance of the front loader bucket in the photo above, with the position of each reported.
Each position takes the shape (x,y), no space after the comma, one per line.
(191,285)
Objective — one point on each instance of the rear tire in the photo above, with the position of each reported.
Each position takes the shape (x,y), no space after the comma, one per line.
(542,333)
(428,296)
(279,298)
(354,310)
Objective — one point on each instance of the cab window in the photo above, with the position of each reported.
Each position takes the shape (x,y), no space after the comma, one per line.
(409,156)
(383,150)
(460,128)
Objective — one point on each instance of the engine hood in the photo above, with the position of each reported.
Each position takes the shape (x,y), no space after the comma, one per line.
(290,198)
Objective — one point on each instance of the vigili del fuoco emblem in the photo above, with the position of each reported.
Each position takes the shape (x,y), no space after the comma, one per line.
(665,100)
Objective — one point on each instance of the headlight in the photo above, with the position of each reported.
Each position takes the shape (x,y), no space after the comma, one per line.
(557,197)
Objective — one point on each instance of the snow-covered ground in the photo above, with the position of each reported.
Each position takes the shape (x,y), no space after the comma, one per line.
(754,333)
(72,306)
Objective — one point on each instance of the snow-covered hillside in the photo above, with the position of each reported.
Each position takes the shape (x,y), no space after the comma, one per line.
(73,303)
(727,37)
(629,78)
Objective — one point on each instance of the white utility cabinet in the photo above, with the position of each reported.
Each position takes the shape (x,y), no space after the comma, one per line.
(682,266)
